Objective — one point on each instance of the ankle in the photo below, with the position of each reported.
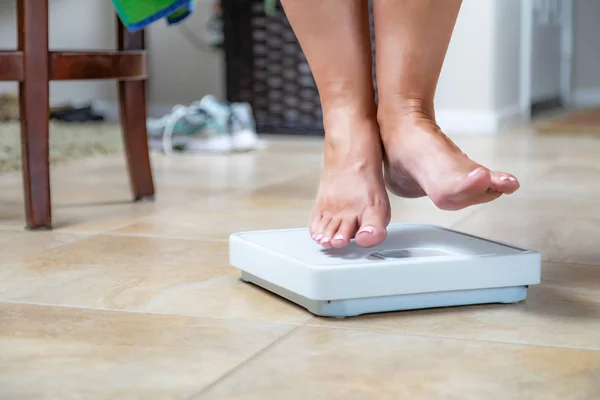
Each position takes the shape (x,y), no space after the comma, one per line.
(350,123)
(401,111)
(353,142)
(348,96)
(352,113)
(352,136)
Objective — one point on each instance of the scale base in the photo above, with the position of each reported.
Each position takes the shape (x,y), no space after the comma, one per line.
(369,305)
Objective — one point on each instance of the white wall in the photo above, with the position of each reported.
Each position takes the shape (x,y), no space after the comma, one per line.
(478,90)
(466,82)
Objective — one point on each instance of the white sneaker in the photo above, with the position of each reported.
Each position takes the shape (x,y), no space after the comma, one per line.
(243,128)
(199,127)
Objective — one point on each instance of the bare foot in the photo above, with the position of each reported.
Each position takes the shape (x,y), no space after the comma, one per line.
(421,160)
(352,201)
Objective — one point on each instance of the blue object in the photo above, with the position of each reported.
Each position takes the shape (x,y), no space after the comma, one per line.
(138,14)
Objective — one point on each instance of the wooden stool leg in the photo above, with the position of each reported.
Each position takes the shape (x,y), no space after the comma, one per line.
(34,97)
(132,102)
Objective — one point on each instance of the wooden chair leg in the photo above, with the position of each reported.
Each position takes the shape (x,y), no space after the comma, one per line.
(32,20)
(132,102)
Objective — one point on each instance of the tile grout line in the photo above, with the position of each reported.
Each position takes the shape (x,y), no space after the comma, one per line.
(8,228)
(153,236)
(244,363)
(148,313)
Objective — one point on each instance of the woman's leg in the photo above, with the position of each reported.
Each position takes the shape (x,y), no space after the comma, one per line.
(352,200)
(412,37)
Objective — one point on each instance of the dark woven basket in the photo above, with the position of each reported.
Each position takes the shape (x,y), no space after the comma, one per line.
(266,67)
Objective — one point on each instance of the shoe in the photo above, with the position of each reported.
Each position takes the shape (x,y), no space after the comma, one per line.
(76,114)
(242,127)
(198,127)
(172,130)
(215,136)
(236,119)
(205,126)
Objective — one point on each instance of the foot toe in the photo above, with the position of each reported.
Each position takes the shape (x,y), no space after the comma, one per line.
(319,230)
(314,224)
(476,182)
(372,228)
(504,183)
(330,231)
(346,231)
(465,192)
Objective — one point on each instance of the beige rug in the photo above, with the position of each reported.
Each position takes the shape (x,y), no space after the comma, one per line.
(67,142)
(578,121)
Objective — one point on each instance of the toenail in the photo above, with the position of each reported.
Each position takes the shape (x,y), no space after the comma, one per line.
(512,179)
(475,172)
(366,229)
(318,237)
(505,178)
(325,240)
(338,238)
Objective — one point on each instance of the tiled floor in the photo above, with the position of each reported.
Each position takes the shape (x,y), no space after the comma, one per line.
(137,301)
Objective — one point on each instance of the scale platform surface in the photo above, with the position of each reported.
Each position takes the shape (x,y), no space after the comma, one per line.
(417,266)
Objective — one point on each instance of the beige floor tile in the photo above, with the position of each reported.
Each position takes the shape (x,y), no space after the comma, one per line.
(559,236)
(570,176)
(563,311)
(574,278)
(174,276)
(302,187)
(286,144)
(18,244)
(219,217)
(80,207)
(211,175)
(525,144)
(328,364)
(65,353)
(560,204)
(84,210)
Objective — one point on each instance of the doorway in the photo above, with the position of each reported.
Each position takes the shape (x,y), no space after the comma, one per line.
(546,55)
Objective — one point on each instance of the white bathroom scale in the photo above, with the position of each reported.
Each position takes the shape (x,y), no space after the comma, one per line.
(417,266)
